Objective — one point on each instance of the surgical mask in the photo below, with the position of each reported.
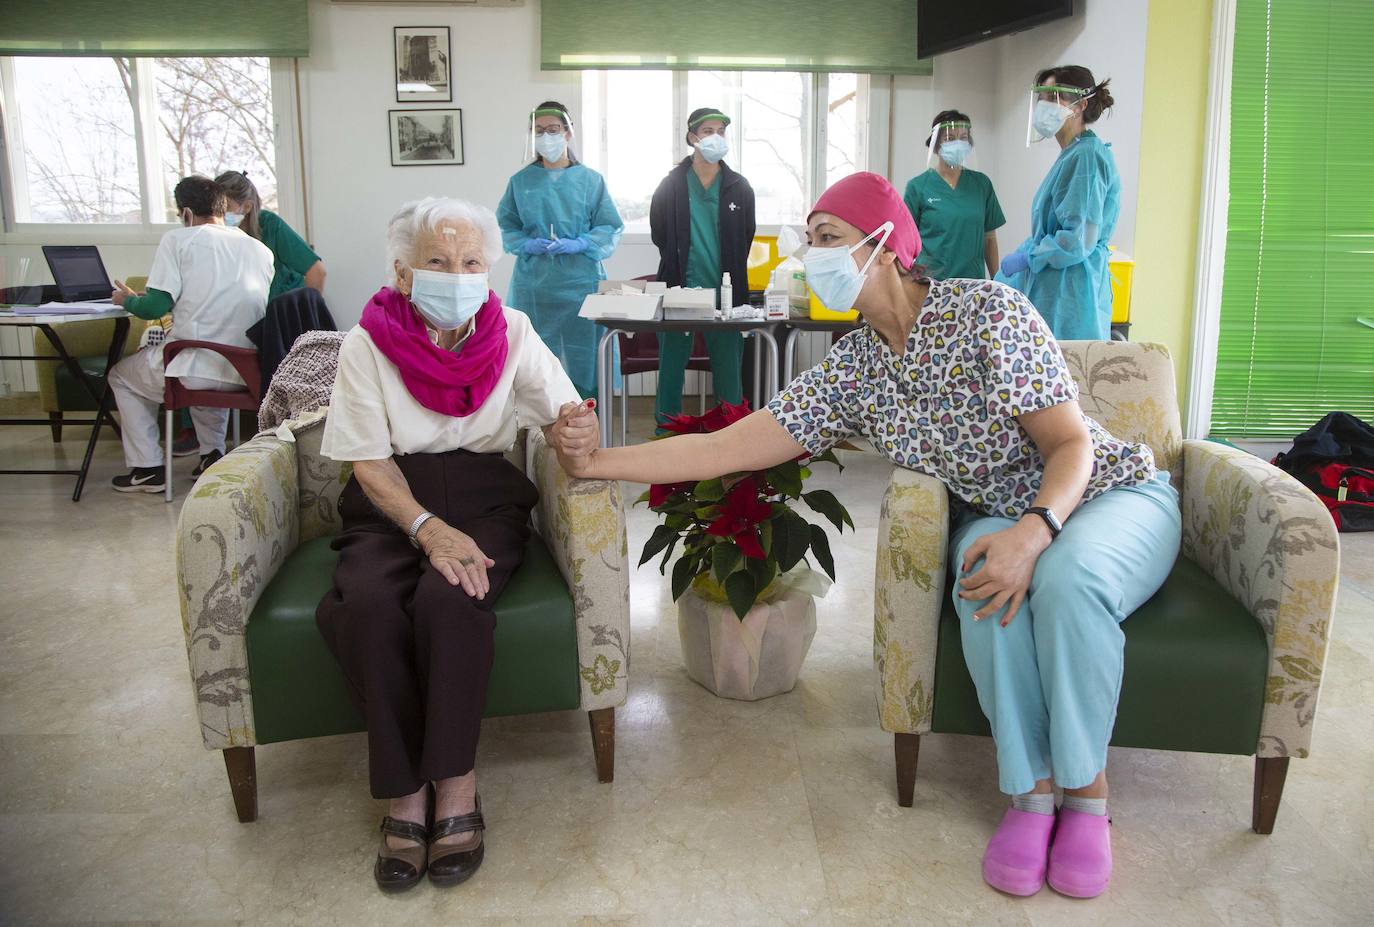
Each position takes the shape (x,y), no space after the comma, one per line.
(551,147)
(713,148)
(832,276)
(232,219)
(1049,117)
(447,300)
(955,152)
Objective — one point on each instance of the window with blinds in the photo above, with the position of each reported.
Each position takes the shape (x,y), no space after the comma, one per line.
(1297,315)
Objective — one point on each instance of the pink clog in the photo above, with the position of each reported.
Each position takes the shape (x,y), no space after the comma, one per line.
(1016,856)
(1081,858)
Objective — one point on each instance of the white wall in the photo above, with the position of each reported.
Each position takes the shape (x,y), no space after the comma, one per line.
(991,82)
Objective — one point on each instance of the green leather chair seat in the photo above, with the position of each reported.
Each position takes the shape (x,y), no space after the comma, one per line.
(299,690)
(1196,663)
(71,395)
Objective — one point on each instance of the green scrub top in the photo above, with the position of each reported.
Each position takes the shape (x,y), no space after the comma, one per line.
(291,256)
(953,221)
(703,254)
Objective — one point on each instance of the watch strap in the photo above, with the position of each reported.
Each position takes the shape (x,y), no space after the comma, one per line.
(1048,518)
(416,525)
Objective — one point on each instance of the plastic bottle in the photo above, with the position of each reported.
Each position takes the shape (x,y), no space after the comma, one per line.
(775,297)
(727,294)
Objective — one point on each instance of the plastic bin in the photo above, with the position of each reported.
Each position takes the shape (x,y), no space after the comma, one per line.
(763,257)
(1122,269)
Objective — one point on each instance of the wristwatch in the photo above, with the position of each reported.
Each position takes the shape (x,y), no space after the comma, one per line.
(415,527)
(1049,518)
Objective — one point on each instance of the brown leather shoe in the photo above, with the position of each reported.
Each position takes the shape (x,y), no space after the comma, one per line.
(397,870)
(448,866)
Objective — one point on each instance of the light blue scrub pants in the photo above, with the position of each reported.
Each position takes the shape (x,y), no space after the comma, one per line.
(1048,682)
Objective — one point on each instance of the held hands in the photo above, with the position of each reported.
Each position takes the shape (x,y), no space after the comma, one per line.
(121,293)
(568,246)
(575,435)
(456,556)
(537,246)
(1015,262)
(1004,578)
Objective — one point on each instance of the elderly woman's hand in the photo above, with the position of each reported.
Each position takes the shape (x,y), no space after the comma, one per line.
(1009,558)
(576,433)
(456,556)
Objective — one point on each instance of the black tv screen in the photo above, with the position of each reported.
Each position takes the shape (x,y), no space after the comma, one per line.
(943,26)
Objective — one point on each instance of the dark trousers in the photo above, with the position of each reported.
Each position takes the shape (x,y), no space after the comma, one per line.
(417,651)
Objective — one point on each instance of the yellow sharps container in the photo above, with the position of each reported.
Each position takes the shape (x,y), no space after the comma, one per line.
(1122,268)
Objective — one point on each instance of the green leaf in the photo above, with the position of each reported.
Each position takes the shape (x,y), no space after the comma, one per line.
(724,559)
(828,456)
(661,538)
(763,572)
(766,536)
(678,522)
(786,478)
(739,589)
(667,555)
(710,490)
(820,547)
(684,571)
(791,537)
(824,502)
(643,497)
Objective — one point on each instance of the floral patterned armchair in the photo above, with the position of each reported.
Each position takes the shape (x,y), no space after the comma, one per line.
(253,560)
(1226,658)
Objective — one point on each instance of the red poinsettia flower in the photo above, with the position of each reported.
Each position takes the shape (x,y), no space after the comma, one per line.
(741,513)
(724,415)
(683,425)
(660,493)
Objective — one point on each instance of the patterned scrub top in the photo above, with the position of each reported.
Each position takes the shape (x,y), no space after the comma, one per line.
(978,357)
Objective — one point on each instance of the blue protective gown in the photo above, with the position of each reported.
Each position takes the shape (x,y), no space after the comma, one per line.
(1073,217)
(550,287)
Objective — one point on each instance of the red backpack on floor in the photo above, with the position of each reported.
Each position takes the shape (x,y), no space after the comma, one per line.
(1335,459)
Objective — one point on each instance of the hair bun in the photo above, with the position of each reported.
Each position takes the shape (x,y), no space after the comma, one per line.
(1103,95)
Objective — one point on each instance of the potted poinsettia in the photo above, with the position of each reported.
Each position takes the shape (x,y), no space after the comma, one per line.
(742,580)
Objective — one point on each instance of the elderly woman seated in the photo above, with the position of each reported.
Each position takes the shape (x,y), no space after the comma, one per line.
(432,386)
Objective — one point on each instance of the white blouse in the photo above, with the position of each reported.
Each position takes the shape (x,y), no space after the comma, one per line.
(373,416)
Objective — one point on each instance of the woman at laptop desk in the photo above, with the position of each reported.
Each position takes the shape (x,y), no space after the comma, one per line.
(214,281)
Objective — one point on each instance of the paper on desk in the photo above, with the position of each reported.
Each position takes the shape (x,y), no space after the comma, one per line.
(76,308)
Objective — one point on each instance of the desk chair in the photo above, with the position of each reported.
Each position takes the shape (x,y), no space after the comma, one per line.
(176,396)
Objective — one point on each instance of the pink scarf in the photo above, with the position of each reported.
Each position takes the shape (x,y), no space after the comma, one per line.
(444,381)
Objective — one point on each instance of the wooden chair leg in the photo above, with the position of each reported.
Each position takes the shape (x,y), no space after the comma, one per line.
(1270,773)
(241,765)
(907,748)
(603,742)
(55,423)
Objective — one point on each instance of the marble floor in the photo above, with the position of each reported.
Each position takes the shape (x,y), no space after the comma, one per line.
(779,812)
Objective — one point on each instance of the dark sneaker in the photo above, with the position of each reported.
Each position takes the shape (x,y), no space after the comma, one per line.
(186,443)
(141,479)
(206,462)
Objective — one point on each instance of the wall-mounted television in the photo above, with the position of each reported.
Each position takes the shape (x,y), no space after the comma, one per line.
(943,26)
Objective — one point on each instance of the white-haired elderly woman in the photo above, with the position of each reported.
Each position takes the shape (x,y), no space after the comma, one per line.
(432,385)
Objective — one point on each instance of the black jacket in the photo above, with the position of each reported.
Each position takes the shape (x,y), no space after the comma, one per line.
(670,222)
(289,315)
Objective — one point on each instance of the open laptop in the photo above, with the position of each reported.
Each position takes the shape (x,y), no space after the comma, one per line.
(78,272)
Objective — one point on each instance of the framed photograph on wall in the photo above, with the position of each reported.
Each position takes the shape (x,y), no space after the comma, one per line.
(426,136)
(423,67)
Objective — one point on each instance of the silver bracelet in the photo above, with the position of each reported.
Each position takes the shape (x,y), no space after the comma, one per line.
(416,524)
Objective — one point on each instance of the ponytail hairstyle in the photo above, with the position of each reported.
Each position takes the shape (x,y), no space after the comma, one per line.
(1074,75)
(239,188)
(553,108)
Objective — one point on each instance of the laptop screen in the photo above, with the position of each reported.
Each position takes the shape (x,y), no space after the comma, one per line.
(78,271)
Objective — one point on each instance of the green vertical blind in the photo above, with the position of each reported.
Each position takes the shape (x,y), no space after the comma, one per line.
(873,37)
(1297,313)
(147,28)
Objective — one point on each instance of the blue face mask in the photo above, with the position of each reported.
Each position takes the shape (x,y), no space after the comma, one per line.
(832,276)
(955,152)
(232,219)
(551,147)
(447,301)
(713,148)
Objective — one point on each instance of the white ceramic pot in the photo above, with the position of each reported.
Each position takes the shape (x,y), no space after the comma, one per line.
(747,659)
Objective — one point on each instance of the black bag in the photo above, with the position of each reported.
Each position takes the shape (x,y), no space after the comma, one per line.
(1335,459)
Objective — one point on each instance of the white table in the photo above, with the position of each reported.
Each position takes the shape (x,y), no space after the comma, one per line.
(44,323)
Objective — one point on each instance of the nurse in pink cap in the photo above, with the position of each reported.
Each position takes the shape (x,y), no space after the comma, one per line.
(1059,532)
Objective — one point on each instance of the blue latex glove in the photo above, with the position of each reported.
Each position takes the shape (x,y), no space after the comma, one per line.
(1015,262)
(537,246)
(568,246)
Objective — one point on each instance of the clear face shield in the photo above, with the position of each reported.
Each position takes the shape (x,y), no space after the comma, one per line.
(1049,108)
(547,138)
(952,143)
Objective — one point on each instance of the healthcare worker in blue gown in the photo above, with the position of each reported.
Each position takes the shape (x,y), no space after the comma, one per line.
(1062,266)
(558,220)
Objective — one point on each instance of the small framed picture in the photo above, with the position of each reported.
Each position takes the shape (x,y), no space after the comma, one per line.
(426,136)
(423,66)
